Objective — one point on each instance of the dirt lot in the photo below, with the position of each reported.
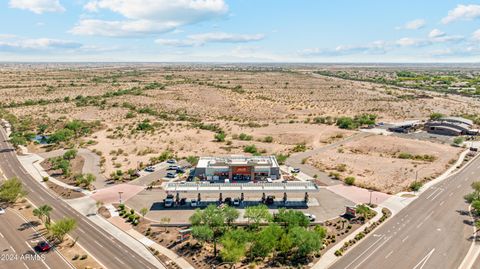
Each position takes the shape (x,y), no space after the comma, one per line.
(375,161)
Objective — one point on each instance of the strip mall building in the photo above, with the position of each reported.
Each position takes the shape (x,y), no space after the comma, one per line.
(237,168)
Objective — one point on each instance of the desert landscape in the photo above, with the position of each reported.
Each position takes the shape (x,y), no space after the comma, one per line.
(136,113)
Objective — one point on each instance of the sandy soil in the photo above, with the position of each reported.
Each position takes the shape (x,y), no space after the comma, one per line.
(280,104)
(374,162)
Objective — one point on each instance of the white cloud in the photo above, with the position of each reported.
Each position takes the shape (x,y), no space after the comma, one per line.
(462,12)
(37,6)
(413,25)
(148,16)
(15,43)
(476,35)
(411,42)
(121,28)
(376,47)
(217,37)
(436,33)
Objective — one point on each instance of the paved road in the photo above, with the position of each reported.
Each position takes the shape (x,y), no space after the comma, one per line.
(109,251)
(295,160)
(17,238)
(434,231)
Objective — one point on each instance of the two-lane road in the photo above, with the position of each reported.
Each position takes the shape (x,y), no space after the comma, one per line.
(109,251)
(434,231)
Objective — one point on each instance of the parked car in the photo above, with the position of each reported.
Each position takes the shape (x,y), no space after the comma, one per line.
(171,161)
(270,200)
(228,201)
(171,175)
(43,246)
(173,167)
(180,170)
(296,170)
(310,217)
(169,201)
(2,211)
(236,202)
(149,169)
(194,203)
(269,180)
(183,201)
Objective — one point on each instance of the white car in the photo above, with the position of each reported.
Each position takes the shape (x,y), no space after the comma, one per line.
(193,203)
(310,217)
(2,211)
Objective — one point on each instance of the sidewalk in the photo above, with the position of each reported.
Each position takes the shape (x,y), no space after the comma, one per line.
(329,257)
(87,207)
(31,163)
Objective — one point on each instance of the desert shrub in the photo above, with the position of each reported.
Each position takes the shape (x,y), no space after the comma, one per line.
(349,180)
(415,186)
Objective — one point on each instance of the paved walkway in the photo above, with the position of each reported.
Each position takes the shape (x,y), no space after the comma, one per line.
(31,163)
(90,166)
(87,207)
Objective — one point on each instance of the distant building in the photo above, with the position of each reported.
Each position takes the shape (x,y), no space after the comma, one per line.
(406,126)
(454,126)
(237,168)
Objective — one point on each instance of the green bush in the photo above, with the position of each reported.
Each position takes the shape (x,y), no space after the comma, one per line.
(349,180)
(415,186)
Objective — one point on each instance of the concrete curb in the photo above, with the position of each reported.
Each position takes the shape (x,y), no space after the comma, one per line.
(329,257)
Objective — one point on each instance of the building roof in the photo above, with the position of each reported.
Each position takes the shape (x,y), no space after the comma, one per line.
(458,119)
(301,186)
(237,160)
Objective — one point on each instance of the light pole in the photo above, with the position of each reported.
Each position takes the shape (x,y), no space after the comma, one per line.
(370,203)
(120,196)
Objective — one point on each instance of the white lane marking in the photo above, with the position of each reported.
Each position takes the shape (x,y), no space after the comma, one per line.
(2,235)
(428,216)
(81,230)
(388,255)
(373,251)
(118,260)
(24,264)
(433,193)
(441,203)
(41,198)
(95,241)
(40,259)
(12,249)
(450,194)
(433,198)
(423,261)
(406,237)
(459,185)
(358,257)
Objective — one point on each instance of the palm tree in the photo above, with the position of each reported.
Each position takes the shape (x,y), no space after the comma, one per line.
(43,211)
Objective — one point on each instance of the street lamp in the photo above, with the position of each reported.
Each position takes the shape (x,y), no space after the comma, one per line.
(370,190)
(120,196)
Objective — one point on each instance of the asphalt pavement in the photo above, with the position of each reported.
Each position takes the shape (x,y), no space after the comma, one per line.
(110,252)
(18,239)
(434,231)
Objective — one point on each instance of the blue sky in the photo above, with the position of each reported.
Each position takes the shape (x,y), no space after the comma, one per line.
(240,30)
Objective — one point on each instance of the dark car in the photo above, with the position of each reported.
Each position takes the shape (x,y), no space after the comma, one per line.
(171,161)
(296,170)
(180,170)
(270,200)
(171,175)
(228,201)
(43,247)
